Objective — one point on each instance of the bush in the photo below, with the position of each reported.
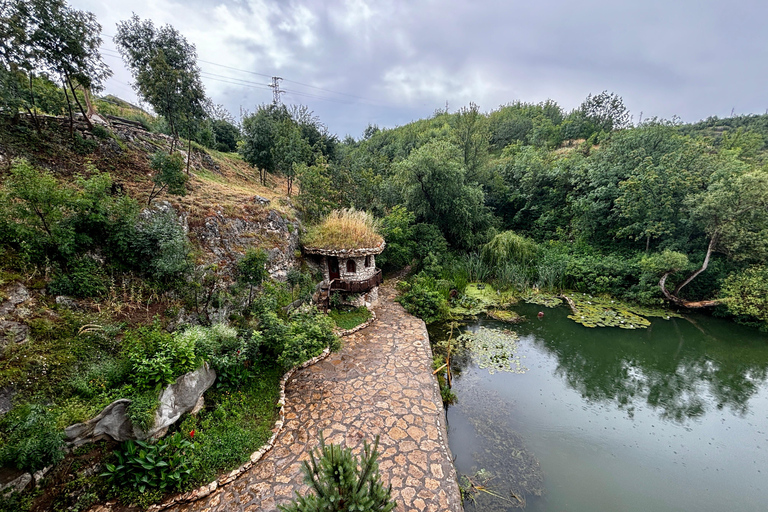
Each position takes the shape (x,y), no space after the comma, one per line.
(157,358)
(160,247)
(425,300)
(84,277)
(343,482)
(32,440)
(308,335)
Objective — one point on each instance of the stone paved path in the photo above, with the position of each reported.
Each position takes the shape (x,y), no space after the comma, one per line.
(379,383)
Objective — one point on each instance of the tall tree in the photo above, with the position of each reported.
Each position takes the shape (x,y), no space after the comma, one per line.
(434,186)
(259,137)
(606,111)
(733,212)
(51,36)
(471,134)
(164,67)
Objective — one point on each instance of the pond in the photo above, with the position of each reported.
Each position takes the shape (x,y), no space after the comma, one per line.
(669,418)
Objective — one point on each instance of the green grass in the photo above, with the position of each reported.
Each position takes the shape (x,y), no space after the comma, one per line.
(350,319)
(233,425)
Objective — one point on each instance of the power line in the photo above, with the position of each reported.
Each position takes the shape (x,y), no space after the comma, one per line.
(272,76)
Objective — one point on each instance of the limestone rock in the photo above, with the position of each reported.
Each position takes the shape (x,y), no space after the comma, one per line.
(181,397)
(112,422)
(18,484)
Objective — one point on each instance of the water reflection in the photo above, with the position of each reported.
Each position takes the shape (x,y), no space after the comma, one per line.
(681,367)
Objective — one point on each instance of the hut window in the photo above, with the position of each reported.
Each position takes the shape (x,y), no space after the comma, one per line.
(368,261)
(351,267)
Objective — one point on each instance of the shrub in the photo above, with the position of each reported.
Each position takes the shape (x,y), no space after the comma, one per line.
(160,247)
(32,440)
(83,277)
(425,300)
(142,465)
(343,482)
(169,174)
(745,294)
(308,335)
(157,358)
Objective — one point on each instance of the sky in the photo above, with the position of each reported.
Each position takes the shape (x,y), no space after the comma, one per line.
(390,62)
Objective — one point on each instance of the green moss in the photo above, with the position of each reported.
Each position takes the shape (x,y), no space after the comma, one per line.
(479,298)
(505,316)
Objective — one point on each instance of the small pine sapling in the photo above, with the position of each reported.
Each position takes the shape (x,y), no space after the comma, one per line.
(343,482)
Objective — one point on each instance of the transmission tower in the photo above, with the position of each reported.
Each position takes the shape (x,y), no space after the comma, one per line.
(276,91)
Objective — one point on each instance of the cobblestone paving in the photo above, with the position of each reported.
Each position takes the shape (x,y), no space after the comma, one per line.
(379,383)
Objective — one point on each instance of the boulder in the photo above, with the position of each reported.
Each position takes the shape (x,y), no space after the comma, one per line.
(110,422)
(181,397)
(175,400)
(18,484)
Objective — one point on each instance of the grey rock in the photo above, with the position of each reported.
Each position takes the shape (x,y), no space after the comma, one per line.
(261,200)
(18,484)
(38,476)
(16,295)
(12,332)
(6,399)
(110,422)
(67,302)
(181,397)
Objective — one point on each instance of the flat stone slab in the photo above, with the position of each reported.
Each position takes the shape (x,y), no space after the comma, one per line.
(380,383)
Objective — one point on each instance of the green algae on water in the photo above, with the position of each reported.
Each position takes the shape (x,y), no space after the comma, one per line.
(479,298)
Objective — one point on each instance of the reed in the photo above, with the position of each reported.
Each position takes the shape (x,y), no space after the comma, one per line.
(344,229)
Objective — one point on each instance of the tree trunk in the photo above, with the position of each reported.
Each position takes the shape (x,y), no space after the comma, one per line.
(79,105)
(34,107)
(673,297)
(71,118)
(189,151)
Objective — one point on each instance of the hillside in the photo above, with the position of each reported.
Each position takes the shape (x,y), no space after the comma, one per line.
(93,280)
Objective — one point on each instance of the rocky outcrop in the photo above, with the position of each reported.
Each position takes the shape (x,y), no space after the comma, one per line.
(228,237)
(11,330)
(178,398)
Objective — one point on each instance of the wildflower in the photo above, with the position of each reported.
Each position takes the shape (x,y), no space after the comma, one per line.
(192,433)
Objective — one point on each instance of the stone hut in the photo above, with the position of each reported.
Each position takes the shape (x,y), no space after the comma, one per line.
(344,248)
(351,270)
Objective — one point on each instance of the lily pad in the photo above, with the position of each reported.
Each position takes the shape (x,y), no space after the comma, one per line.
(543,299)
(495,350)
(592,311)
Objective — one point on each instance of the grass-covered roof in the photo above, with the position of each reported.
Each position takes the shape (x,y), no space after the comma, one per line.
(344,230)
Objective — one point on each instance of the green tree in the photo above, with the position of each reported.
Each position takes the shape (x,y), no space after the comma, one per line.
(165,72)
(289,151)
(471,135)
(251,270)
(745,294)
(434,187)
(51,36)
(606,111)
(733,213)
(169,175)
(342,482)
(260,133)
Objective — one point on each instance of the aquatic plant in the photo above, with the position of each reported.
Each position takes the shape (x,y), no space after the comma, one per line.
(495,350)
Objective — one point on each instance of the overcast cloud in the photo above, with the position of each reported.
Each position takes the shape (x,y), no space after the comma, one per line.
(388,63)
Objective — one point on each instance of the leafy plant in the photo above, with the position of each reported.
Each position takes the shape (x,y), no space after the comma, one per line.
(342,482)
(32,439)
(142,465)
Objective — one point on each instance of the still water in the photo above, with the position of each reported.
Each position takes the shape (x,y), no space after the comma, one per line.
(669,418)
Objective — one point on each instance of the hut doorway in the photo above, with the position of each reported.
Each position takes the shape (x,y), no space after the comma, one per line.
(333,268)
